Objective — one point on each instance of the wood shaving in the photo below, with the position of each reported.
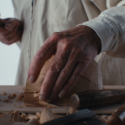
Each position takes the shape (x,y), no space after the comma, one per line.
(17,117)
(46,115)
(19,98)
(4,93)
(38,115)
(33,121)
(31,116)
(36,95)
(23,115)
(11,96)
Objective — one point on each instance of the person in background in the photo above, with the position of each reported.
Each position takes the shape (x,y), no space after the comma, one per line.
(75,31)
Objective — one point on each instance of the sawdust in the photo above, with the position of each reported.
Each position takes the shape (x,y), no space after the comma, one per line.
(12,96)
(15,118)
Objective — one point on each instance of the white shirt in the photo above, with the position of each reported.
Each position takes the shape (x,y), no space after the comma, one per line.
(48,16)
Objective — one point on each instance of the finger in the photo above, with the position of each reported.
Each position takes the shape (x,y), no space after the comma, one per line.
(3,31)
(58,63)
(80,68)
(45,52)
(3,21)
(12,23)
(15,38)
(12,33)
(62,79)
(2,28)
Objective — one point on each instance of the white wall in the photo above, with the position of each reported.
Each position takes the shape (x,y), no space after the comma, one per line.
(9,55)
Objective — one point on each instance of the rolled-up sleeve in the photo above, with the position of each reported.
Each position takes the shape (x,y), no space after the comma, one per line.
(110,27)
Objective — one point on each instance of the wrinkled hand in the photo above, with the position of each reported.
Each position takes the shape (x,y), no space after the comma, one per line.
(10,30)
(73,50)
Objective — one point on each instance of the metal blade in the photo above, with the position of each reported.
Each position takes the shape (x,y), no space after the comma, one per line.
(71,118)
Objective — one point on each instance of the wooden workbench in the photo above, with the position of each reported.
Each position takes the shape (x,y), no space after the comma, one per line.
(5,107)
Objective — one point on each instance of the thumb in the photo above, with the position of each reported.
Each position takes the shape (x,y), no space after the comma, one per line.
(9,26)
(12,23)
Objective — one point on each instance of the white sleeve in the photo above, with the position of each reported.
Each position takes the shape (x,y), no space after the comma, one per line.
(110,27)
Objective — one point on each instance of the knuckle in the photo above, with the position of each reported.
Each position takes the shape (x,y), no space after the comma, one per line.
(78,74)
(55,35)
(63,56)
(64,72)
(55,68)
(64,44)
(39,55)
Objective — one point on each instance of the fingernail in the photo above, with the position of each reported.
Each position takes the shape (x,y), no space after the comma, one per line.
(42,96)
(31,79)
(62,94)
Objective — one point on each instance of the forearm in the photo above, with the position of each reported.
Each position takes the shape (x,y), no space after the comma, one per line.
(110,27)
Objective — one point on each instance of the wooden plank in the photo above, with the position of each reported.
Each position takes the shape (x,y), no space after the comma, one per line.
(14,105)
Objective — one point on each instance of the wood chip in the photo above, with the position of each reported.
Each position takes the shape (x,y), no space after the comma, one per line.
(36,95)
(12,96)
(33,121)
(46,115)
(23,115)
(19,98)
(17,117)
(4,93)
(38,115)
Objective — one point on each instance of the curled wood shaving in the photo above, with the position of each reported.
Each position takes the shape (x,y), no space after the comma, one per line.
(46,115)
(12,96)
(23,115)
(4,93)
(47,104)
(31,116)
(17,117)
(19,98)
(38,115)
(36,95)
(33,121)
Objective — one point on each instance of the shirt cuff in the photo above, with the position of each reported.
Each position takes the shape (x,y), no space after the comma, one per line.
(110,27)
(106,30)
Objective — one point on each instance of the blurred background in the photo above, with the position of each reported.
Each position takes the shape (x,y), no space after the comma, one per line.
(9,55)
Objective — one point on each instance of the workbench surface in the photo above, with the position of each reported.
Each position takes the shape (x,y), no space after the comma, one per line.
(5,107)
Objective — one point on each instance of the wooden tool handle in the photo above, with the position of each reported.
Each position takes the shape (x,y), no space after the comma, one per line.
(118,118)
(96,98)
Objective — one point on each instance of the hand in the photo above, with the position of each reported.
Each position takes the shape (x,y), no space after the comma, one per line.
(73,50)
(10,30)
